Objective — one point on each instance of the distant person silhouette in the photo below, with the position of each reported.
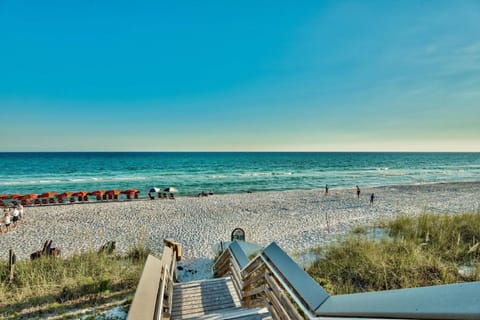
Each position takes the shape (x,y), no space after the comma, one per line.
(358,192)
(371,198)
(326,189)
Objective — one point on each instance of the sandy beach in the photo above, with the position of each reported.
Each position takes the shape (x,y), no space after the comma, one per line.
(296,220)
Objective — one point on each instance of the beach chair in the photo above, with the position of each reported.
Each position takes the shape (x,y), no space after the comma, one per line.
(107,248)
(25,202)
(44,201)
(136,196)
(171,196)
(14,203)
(36,202)
(51,200)
(72,200)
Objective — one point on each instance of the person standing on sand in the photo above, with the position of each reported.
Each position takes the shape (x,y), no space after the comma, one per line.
(371,198)
(326,189)
(16,214)
(358,192)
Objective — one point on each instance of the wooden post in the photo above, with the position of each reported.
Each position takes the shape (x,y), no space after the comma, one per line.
(11,263)
(326,218)
(178,251)
(175,246)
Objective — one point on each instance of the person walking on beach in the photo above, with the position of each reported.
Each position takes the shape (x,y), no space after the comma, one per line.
(16,216)
(326,189)
(358,192)
(371,198)
(7,220)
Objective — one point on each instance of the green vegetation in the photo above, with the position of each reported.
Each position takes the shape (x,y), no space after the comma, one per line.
(417,251)
(55,285)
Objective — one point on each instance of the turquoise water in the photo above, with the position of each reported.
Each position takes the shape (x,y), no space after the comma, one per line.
(192,173)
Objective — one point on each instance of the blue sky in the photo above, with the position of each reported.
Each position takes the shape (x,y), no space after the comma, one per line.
(240,76)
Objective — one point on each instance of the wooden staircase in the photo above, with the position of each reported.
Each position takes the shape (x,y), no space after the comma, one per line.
(272,286)
(211,299)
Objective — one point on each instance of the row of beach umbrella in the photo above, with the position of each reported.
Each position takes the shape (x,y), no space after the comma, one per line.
(97,193)
(67,194)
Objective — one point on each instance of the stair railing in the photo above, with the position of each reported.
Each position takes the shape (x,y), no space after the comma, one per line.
(274,280)
(154,295)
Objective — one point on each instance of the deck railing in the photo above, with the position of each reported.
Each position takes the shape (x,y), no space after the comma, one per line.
(273,279)
(154,294)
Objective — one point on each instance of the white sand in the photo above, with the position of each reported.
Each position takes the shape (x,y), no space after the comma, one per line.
(296,220)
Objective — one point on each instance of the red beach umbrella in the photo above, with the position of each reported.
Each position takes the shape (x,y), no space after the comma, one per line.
(65,195)
(4,196)
(97,193)
(30,196)
(50,194)
(130,191)
(80,194)
(114,192)
(15,196)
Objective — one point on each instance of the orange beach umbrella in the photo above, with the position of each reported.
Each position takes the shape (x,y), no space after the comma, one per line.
(114,192)
(65,195)
(80,194)
(130,191)
(50,194)
(97,193)
(30,196)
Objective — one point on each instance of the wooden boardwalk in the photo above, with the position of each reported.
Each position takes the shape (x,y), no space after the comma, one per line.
(211,299)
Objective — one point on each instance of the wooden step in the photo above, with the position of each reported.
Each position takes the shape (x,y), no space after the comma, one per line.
(193,300)
(240,314)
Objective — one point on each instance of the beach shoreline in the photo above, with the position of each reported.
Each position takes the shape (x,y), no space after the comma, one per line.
(297,220)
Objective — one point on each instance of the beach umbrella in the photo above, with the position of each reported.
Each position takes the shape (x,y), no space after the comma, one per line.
(65,195)
(97,193)
(15,196)
(130,191)
(114,192)
(48,195)
(4,196)
(80,194)
(154,189)
(170,190)
(30,196)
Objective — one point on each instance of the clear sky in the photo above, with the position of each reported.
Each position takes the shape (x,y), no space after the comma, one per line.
(239,75)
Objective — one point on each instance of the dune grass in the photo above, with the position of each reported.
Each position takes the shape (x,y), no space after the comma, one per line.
(54,285)
(417,251)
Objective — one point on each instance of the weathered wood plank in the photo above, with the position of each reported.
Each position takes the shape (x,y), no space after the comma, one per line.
(254,291)
(143,305)
(284,301)
(281,312)
(252,266)
(307,289)
(254,278)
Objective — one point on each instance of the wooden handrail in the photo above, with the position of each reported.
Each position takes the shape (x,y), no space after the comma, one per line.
(153,297)
(273,279)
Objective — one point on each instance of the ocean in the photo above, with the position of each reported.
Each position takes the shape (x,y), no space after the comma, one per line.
(228,172)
